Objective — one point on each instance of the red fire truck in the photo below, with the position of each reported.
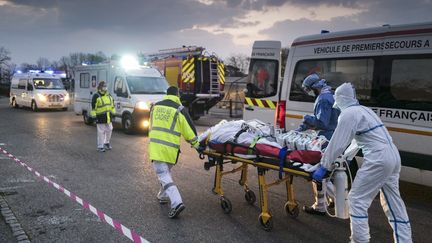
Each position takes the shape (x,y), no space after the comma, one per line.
(199,75)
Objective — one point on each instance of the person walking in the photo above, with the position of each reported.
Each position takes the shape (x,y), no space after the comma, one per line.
(103,111)
(168,122)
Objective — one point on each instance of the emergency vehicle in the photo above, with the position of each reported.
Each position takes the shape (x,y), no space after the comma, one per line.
(38,90)
(390,67)
(199,76)
(134,89)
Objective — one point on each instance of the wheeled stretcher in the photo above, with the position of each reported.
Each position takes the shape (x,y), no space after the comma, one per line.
(231,152)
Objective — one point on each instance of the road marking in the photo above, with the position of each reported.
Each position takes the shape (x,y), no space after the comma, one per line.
(132,235)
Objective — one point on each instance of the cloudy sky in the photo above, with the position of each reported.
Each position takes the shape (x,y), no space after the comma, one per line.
(30,29)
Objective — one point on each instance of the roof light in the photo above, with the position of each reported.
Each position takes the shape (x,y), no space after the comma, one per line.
(19,71)
(129,62)
(49,72)
(34,71)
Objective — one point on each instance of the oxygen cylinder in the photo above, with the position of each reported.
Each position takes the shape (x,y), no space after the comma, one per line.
(341,193)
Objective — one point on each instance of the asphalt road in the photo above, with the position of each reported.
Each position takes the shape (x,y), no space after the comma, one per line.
(122,184)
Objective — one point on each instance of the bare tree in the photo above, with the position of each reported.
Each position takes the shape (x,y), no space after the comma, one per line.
(284,57)
(43,63)
(239,61)
(4,55)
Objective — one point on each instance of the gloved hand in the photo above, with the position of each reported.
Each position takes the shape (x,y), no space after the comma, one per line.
(319,174)
(301,128)
(200,149)
(308,119)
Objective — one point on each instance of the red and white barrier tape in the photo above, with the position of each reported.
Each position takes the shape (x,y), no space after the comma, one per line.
(132,235)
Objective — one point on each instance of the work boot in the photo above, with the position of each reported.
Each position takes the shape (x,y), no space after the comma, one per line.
(174,212)
(312,210)
(101,149)
(107,146)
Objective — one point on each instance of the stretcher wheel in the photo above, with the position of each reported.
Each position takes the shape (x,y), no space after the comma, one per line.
(267,226)
(293,212)
(250,197)
(226,205)
(206,166)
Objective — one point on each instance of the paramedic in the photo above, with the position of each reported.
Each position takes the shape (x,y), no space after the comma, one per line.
(168,121)
(103,111)
(324,120)
(379,172)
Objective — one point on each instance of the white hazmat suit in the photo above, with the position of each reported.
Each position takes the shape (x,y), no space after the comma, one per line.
(380,169)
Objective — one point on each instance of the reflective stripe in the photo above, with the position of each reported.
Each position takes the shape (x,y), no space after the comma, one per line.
(192,140)
(359,217)
(155,140)
(174,120)
(373,128)
(162,129)
(168,185)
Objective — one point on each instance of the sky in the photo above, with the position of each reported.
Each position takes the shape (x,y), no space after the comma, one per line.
(30,29)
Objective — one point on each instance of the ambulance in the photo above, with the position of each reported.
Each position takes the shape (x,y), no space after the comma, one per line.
(390,67)
(38,90)
(133,87)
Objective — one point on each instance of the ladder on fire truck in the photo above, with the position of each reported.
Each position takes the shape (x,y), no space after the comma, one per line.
(214,76)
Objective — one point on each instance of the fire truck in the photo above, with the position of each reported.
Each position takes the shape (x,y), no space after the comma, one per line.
(200,76)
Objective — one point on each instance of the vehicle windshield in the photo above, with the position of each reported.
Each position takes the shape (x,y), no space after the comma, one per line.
(47,83)
(147,85)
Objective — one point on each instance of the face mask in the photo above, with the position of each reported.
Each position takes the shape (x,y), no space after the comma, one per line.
(311,93)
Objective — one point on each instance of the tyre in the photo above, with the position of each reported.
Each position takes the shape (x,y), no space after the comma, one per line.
(34,106)
(250,197)
(226,205)
(14,104)
(293,213)
(127,124)
(87,119)
(64,109)
(267,226)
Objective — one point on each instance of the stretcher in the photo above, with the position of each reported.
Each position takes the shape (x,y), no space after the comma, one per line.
(286,168)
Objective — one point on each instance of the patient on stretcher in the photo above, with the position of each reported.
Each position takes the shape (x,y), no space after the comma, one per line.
(252,139)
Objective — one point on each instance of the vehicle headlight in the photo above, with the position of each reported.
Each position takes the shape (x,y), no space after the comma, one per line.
(42,97)
(66,98)
(142,106)
(145,123)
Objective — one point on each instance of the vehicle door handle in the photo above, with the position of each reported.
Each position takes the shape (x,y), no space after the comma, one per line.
(91,92)
(249,108)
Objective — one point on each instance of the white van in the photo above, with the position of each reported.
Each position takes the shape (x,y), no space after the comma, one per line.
(38,90)
(133,89)
(390,67)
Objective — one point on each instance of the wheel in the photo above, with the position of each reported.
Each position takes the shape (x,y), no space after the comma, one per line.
(267,226)
(206,166)
(293,212)
(14,104)
(127,124)
(87,119)
(34,106)
(226,205)
(64,109)
(250,197)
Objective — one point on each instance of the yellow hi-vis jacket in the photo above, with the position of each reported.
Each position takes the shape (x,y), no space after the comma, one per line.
(168,122)
(102,107)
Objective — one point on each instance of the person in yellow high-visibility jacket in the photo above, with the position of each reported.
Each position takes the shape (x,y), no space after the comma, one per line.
(103,111)
(168,122)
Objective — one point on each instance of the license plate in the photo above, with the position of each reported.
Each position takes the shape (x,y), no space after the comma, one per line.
(55,105)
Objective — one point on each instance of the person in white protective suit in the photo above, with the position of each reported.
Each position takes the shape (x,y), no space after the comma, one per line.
(379,172)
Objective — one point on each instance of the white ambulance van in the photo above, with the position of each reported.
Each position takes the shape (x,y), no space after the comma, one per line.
(38,90)
(390,67)
(134,89)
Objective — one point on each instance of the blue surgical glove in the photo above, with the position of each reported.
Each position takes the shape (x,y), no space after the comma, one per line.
(319,174)
(301,128)
(308,119)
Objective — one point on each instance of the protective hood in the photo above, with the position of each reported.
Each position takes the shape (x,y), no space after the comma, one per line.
(345,96)
(314,81)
